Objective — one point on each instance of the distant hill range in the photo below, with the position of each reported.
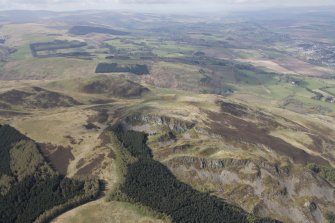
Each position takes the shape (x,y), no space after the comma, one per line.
(83,30)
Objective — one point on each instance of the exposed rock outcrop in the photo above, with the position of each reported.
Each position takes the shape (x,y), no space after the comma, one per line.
(173,124)
(290,194)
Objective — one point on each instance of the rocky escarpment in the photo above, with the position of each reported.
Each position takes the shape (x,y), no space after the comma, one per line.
(151,123)
(234,155)
(290,194)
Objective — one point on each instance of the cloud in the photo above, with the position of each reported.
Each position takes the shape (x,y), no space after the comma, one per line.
(232,2)
(155,4)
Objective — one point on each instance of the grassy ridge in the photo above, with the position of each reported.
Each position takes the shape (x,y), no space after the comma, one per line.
(83,30)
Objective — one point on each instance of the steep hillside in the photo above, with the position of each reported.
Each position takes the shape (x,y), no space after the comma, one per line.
(103,87)
(151,184)
(240,154)
(36,98)
(30,188)
(115,87)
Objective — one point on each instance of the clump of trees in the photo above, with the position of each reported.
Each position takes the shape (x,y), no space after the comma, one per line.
(91,191)
(135,142)
(54,45)
(31,197)
(326,172)
(8,136)
(115,68)
(30,188)
(331,218)
(26,160)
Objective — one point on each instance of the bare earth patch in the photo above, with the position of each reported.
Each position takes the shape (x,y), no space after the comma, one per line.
(271,65)
(58,156)
(303,68)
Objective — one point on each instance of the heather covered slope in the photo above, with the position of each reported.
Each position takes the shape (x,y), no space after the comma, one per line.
(247,155)
(36,97)
(252,158)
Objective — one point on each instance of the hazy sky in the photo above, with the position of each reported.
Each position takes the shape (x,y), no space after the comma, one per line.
(158,5)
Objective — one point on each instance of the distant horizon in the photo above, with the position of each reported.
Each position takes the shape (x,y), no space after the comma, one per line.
(125,10)
(160,6)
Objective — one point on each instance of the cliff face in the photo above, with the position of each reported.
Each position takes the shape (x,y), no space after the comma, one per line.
(165,122)
(286,193)
(239,155)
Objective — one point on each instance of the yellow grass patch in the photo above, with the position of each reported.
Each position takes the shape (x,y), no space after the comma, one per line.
(105,212)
